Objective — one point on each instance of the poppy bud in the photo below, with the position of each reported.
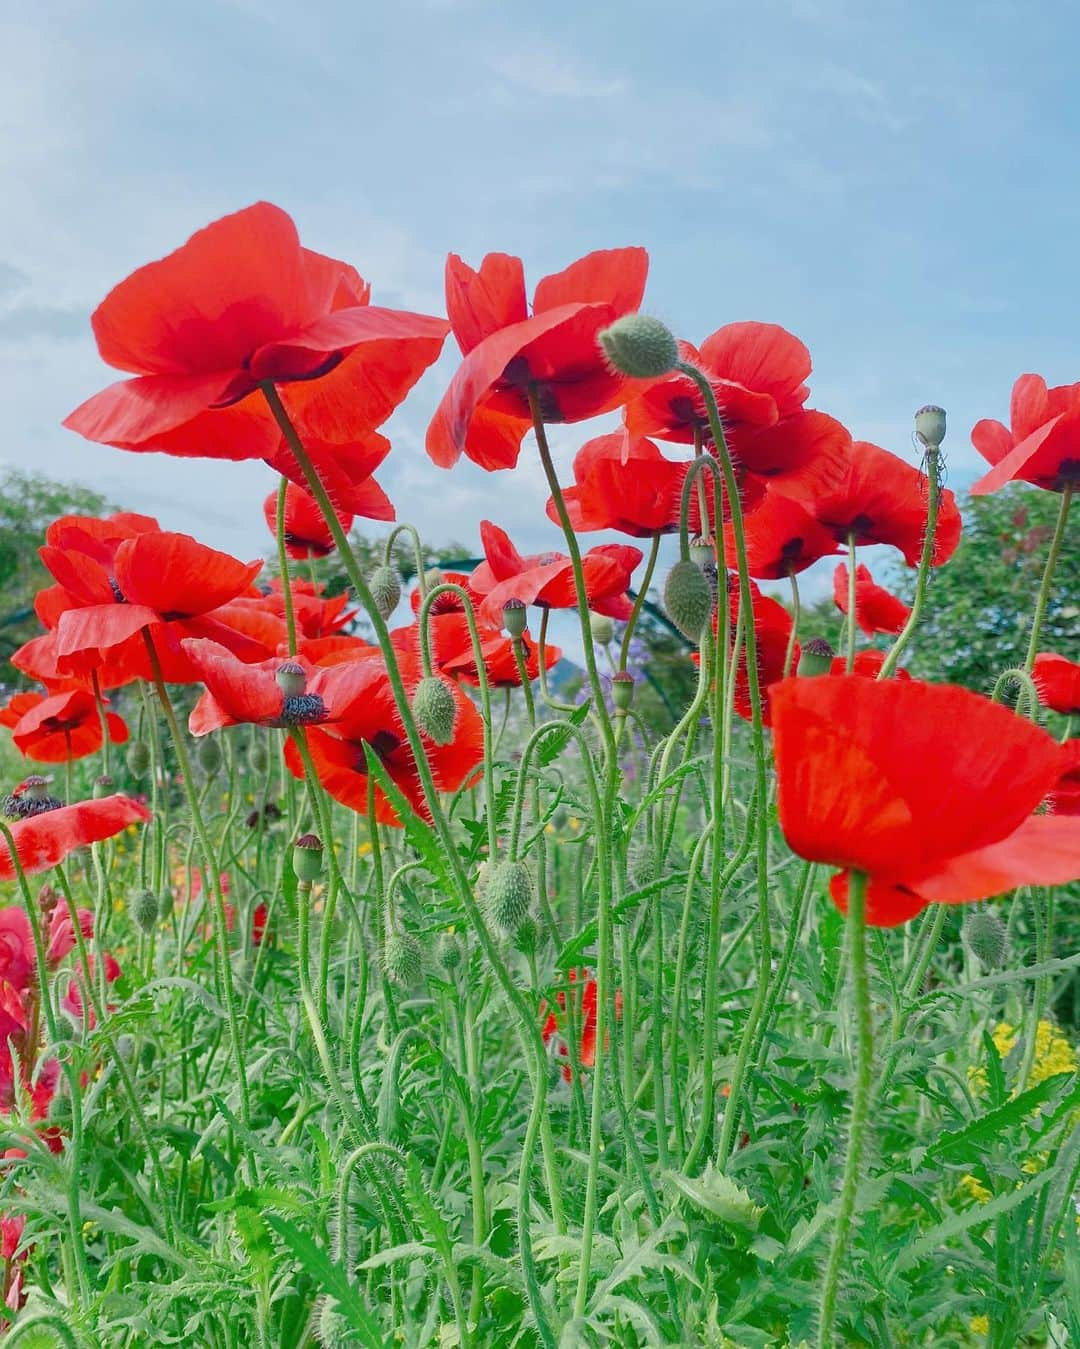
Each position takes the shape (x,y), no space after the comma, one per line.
(145,910)
(622,691)
(641,864)
(434,709)
(209,755)
(930,426)
(385,587)
(527,937)
(688,599)
(307,858)
(258,756)
(602,628)
(640,347)
(816,658)
(48,899)
(138,759)
(703,551)
(514,615)
(984,934)
(402,958)
(103,786)
(449,952)
(334,1332)
(291,679)
(165,904)
(508,894)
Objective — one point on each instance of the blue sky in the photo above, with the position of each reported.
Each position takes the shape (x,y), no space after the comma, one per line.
(895,182)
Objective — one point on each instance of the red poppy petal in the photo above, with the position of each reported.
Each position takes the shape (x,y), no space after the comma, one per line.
(179,577)
(887,904)
(613,276)
(136,413)
(1023,460)
(1045,850)
(480,303)
(44,840)
(100,626)
(763,357)
(341,333)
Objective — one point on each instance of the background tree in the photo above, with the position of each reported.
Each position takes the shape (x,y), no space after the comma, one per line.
(28,503)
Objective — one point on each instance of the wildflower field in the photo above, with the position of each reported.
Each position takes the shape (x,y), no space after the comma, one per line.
(373,972)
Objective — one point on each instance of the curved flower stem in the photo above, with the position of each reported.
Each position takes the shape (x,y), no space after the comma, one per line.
(518,647)
(99,703)
(1048,576)
(1024,683)
(926,562)
(789,654)
(283,567)
(849,663)
(221,929)
(418,553)
(860,1103)
(541,671)
(639,600)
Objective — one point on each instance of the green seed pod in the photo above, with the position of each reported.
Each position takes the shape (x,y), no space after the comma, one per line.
(308,858)
(640,347)
(103,786)
(291,679)
(688,599)
(434,709)
(508,895)
(985,934)
(514,615)
(602,628)
(402,958)
(622,691)
(449,951)
(930,426)
(816,658)
(703,552)
(258,756)
(210,755)
(385,585)
(641,864)
(146,910)
(137,758)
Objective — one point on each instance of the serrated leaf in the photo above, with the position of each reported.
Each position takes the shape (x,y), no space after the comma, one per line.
(715,1194)
(555,742)
(996,1122)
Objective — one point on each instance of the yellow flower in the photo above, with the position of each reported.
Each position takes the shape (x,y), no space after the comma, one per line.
(118,906)
(979,1325)
(363,850)
(975,1189)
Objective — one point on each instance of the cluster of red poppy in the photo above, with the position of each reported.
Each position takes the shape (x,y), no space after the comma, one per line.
(242,326)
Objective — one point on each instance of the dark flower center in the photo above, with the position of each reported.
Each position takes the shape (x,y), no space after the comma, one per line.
(302,709)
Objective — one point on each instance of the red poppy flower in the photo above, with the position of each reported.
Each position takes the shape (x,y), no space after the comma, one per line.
(782,538)
(928,789)
(757,373)
(72,1000)
(1058,683)
(238,693)
(876,610)
(585,1014)
(623,482)
(485,411)
(335,649)
(772,634)
(65,726)
(316,614)
(1042,446)
(306,532)
(42,841)
(165,583)
(452,650)
(17,707)
(241,303)
(365,714)
(867,663)
(547,579)
(878,498)
(344,470)
(1065,796)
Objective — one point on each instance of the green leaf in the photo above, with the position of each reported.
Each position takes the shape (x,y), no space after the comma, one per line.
(555,742)
(714,1193)
(333,1280)
(996,1122)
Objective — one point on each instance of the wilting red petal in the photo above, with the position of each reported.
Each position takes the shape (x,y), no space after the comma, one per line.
(44,840)
(893,776)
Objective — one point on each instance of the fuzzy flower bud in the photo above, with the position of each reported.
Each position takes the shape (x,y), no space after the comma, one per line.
(816,658)
(688,599)
(930,426)
(258,756)
(145,910)
(527,937)
(210,755)
(508,895)
(385,587)
(449,952)
(308,858)
(602,628)
(514,615)
(402,958)
(138,758)
(640,347)
(985,934)
(434,709)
